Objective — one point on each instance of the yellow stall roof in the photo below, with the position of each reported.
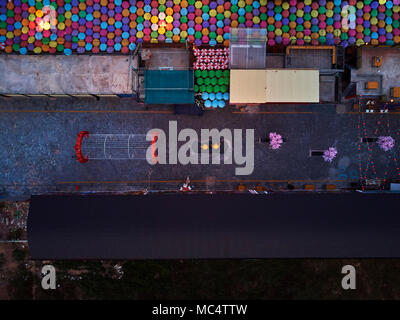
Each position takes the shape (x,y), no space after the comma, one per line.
(247,86)
(274,86)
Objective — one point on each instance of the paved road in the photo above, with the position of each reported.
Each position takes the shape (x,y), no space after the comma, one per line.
(38,140)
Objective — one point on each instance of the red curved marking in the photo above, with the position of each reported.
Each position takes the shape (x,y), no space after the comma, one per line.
(78,145)
(153,148)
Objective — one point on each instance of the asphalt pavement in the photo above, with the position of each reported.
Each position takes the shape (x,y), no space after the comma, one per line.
(38,138)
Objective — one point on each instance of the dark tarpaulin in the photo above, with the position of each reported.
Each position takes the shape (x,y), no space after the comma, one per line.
(191,109)
(214,226)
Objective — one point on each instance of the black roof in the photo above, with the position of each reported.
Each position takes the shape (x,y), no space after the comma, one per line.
(214,226)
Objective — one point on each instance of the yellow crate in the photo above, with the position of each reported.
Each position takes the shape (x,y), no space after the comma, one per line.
(372,85)
(309,187)
(395,92)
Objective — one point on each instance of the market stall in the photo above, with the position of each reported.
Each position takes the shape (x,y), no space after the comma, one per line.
(169,86)
(274,86)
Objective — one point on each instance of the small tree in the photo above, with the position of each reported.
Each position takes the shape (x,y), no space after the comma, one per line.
(386,143)
(329,154)
(14,234)
(276,140)
(2,260)
(19,254)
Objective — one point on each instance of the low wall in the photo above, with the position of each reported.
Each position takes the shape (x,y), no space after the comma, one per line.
(102,74)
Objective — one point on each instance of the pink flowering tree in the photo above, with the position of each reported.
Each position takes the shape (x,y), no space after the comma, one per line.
(329,154)
(275,140)
(386,142)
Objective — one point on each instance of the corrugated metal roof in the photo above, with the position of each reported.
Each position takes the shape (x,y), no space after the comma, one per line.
(214,226)
(274,86)
(247,48)
(292,85)
(247,86)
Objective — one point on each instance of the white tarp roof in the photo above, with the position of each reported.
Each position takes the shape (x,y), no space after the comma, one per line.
(274,86)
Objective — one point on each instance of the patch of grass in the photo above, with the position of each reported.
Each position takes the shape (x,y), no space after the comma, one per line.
(21,284)
(293,279)
(2,260)
(19,254)
(14,235)
(246,279)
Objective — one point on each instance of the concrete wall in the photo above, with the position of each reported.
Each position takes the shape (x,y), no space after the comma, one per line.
(388,75)
(75,74)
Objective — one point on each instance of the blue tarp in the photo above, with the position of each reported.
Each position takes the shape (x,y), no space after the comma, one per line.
(169,86)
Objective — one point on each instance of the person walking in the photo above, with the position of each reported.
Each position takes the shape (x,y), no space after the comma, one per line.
(186,185)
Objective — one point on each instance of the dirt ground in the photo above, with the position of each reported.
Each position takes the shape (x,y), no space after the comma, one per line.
(13,217)
(8,265)
(293,279)
(198,279)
